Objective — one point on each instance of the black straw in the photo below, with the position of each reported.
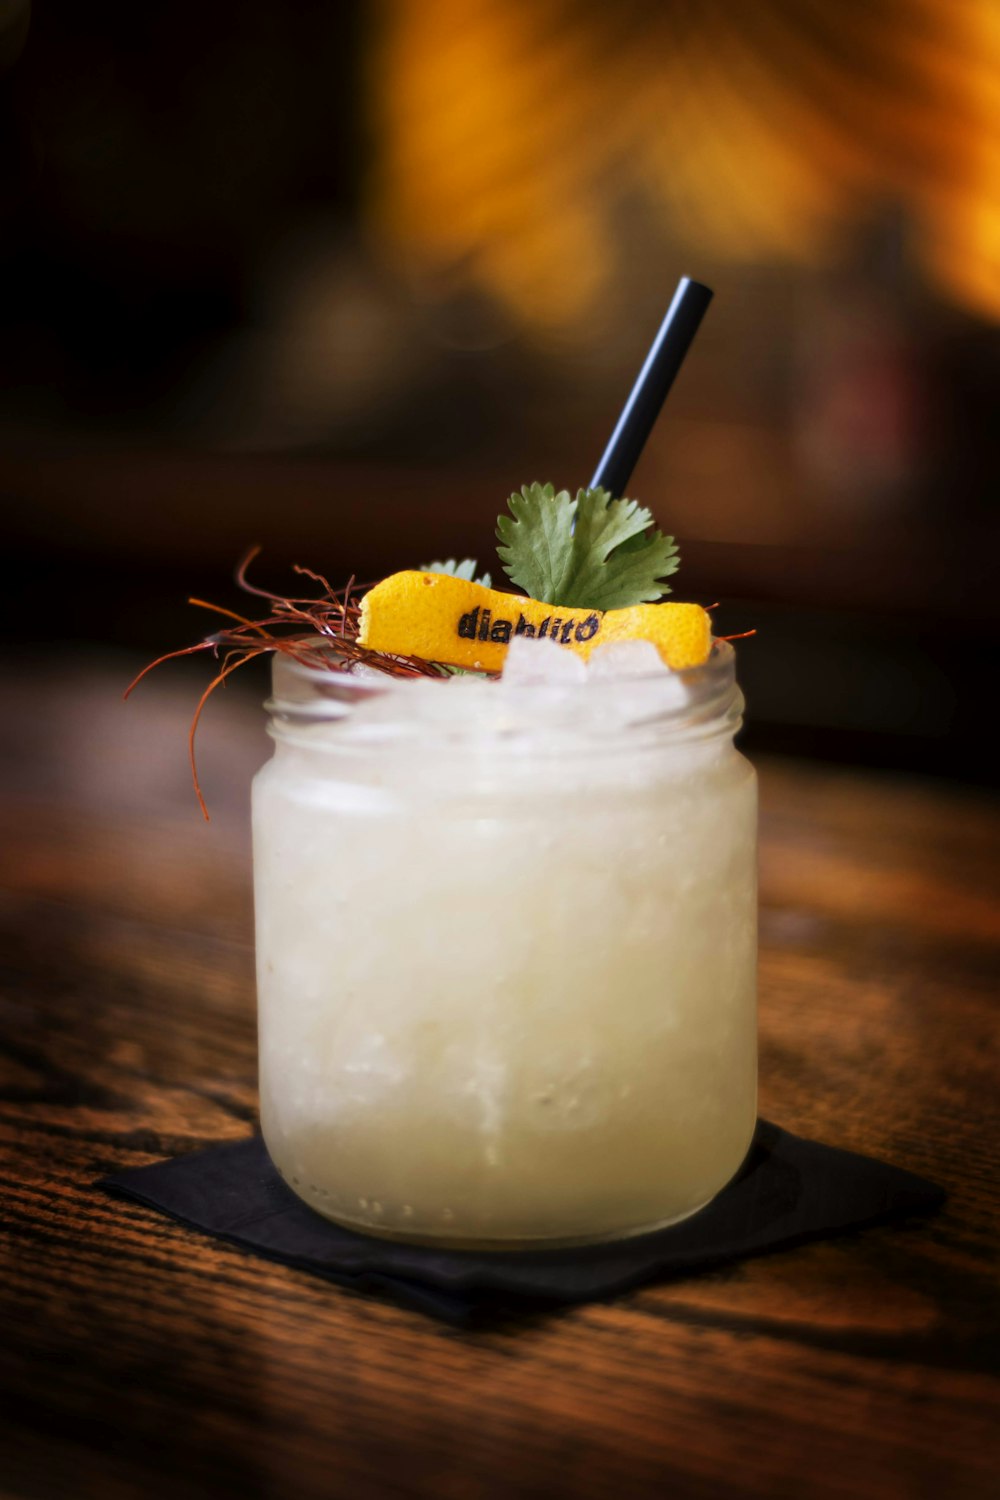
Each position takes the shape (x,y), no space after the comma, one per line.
(657,375)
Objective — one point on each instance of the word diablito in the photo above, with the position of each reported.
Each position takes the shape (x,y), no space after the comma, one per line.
(480,625)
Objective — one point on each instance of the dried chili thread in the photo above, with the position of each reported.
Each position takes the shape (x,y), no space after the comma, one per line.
(334,617)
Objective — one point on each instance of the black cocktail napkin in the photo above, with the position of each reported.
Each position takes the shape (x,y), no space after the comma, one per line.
(789,1190)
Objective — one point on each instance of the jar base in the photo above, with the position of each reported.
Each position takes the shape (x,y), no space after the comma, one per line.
(512,1244)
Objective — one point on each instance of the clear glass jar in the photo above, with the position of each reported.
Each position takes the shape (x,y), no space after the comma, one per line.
(506,950)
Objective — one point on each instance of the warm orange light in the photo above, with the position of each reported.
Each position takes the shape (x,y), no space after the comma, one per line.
(513,135)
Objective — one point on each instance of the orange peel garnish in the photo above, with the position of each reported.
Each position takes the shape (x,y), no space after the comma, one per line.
(446,619)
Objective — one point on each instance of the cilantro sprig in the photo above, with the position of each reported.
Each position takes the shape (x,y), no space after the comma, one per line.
(466,568)
(584,552)
(587,552)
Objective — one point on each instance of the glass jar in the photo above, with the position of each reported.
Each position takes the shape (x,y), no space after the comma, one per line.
(506,951)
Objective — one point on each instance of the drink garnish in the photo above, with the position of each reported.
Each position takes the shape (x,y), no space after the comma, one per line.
(459,622)
(593,567)
(466,568)
(587,552)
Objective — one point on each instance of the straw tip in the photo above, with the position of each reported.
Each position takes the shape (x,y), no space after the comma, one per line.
(688,283)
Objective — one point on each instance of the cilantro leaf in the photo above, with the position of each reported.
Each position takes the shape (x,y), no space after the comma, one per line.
(593,552)
(465,569)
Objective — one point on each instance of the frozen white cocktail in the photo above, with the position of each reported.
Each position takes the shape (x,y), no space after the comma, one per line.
(505,875)
(506,939)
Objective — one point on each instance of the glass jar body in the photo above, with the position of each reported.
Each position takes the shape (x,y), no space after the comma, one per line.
(506,993)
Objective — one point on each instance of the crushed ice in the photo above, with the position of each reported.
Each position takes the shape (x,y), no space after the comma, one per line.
(533,663)
(627,659)
(539,692)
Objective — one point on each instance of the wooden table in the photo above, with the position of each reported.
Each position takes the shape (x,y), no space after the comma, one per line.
(138,1358)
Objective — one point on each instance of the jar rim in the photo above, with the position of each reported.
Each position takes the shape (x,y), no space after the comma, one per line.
(721,656)
(697,702)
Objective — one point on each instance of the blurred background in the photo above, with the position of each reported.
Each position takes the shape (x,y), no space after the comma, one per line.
(336,278)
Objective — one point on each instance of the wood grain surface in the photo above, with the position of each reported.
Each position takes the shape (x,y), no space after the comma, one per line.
(138,1358)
